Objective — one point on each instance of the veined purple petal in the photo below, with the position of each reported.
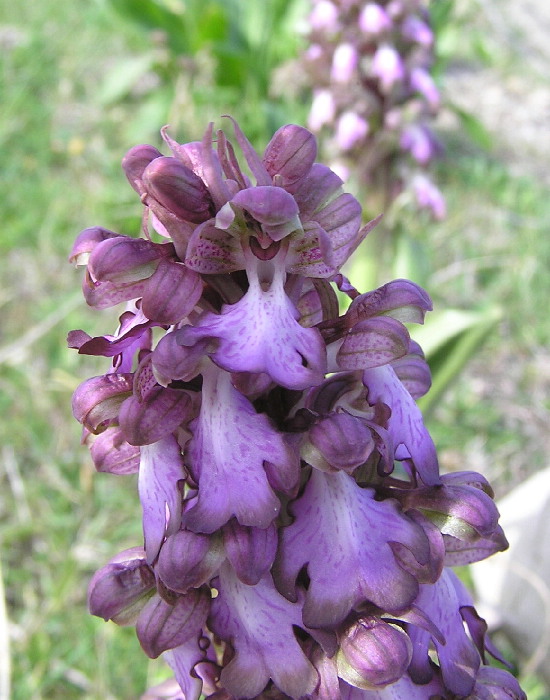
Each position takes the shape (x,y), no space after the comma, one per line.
(162,625)
(178,189)
(188,560)
(161,469)
(134,163)
(273,207)
(171,360)
(258,622)
(227,452)
(102,295)
(458,657)
(97,401)
(406,425)
(183,660)
(172,292)
(123,260)
(373,653)
(403,689)
(400,299)
(120,589)
(316,189)
(339,441)
(111,453)
(260,333)
(414,373)
(341,219)
(161,412)
(250,551)
(290,155)
(86,241)
(372,343)
(497,684)
(343,535)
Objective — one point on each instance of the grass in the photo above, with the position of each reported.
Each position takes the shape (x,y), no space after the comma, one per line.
(59,520)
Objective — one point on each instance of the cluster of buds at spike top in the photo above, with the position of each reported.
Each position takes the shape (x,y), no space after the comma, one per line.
(369,64)
(297,529)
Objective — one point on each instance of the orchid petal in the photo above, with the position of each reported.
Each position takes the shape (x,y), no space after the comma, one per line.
(161,470)
(258,622)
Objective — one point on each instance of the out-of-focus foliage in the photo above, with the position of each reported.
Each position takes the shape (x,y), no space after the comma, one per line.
(206,56)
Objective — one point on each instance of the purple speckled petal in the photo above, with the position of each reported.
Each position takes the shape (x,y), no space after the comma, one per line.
(214,251)
(406,425)
(343,534)
(462,552)
(401,299)
(161,470)
(258,622)
(227,452)
(260,333)
(310,253)
(458,657)
(372,343)
(341,219)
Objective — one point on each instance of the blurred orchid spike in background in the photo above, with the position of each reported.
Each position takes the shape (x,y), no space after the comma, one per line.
(374,96)
(297,529)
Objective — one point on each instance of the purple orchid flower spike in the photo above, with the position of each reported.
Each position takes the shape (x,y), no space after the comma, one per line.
(296,527)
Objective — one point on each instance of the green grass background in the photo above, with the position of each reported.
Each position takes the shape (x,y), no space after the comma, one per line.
(62,139)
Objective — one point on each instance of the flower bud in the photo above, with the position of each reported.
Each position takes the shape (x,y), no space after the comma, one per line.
(162,626)
(120,589)
(135,162)
(188,560)
(373,653)
(178,189)
(97,401)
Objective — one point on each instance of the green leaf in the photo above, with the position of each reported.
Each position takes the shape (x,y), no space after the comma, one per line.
(124,77)
(450,339)
(473,127)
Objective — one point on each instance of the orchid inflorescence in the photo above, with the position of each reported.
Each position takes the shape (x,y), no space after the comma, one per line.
(297,529)
(370,64)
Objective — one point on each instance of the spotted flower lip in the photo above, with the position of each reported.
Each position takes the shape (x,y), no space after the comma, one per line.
(296,527)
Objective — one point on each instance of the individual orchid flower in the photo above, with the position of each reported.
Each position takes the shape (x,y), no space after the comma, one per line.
(296,527)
